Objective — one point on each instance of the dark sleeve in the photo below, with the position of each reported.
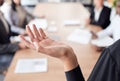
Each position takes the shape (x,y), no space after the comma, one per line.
(92,15)
(8,48)
(107,67)
(104,20)
(74,75)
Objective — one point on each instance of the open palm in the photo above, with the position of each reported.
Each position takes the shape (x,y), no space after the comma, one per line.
(44,44)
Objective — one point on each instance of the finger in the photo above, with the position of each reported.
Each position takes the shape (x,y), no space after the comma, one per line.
(43,35)
(36,33)
(26,42)
(31,35)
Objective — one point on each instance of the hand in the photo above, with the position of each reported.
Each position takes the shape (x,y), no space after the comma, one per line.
(94,36)
(42,43)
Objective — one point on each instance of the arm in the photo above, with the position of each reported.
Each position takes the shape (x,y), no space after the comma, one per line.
(74,75)
(42,43)
(105,32)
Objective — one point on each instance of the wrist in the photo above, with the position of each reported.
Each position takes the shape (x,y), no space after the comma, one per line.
(69,60)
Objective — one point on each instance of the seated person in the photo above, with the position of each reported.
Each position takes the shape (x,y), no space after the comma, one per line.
(113,29)
(7,49)
(100,14)
(106,69)
(16,16)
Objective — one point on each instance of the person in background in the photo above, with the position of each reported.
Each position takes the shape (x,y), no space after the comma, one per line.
(16,16)
(113,29)
(7,49)
(100,14)
(107,67)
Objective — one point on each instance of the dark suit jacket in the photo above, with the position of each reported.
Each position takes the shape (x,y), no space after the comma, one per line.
(5,46)
(104,19)
(107,67)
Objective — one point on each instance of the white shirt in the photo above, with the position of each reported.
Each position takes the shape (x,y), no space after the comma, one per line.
(112,30)
(8,13)
(97,13)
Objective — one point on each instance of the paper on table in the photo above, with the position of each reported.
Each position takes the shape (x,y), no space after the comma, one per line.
(55,37)
(103,42)
(40,23)
(82,36)
(52,29)
(31,65)
(71,22)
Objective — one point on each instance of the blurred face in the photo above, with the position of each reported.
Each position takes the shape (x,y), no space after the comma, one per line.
(17,2)
(118,7)
(1,2)
(98,3)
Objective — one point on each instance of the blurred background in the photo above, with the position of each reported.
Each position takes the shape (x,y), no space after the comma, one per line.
(30,6)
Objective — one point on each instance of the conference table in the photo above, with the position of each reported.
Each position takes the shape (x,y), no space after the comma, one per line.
(86,53)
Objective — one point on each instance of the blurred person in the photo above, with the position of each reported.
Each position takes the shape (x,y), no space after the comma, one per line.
(107,67)
(16,16)
(113,29)
(100,14)
(7,49)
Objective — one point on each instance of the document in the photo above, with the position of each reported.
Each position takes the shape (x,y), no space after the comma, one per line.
(40,23)
(82,36)
(31,65)
(55,37)
(71,22)
(52,29)
(103,42)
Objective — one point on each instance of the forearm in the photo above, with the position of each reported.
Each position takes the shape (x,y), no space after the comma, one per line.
(71,66)
(106,32)
(74,74)
(70,62)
